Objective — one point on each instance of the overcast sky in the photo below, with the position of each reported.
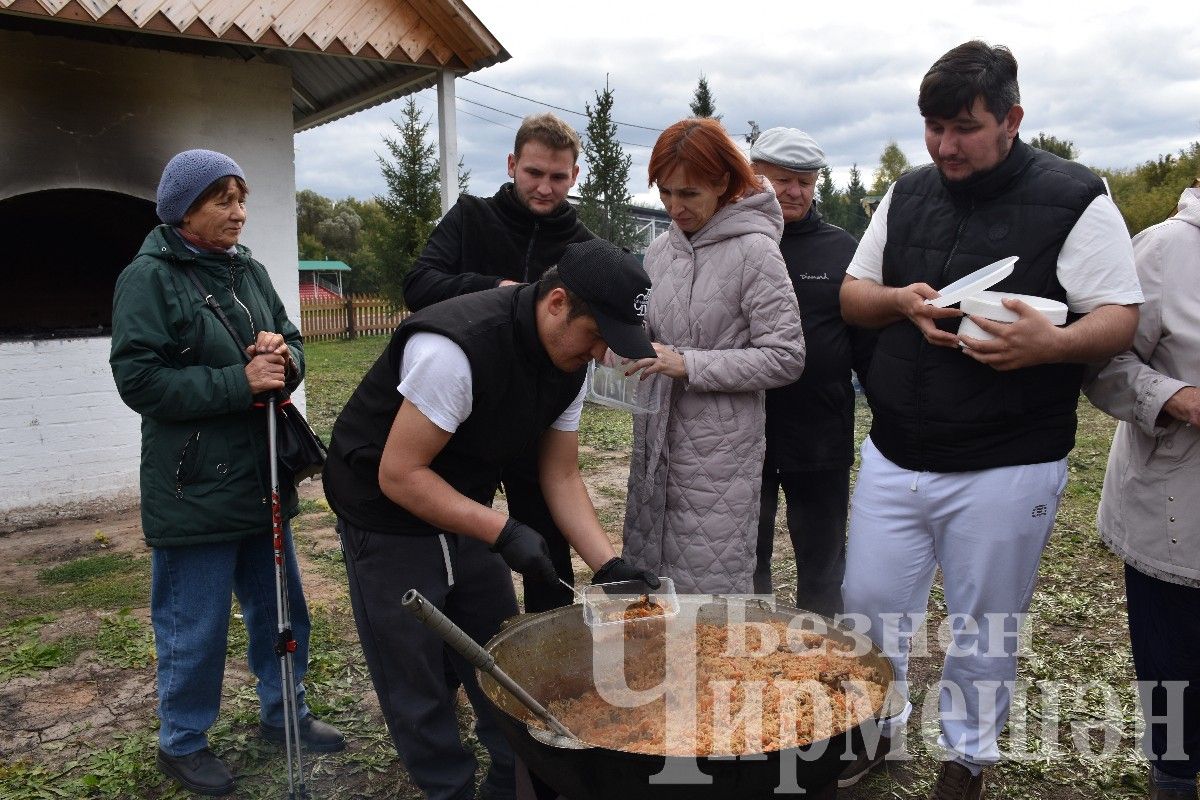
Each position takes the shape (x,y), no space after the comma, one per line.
(1122,82)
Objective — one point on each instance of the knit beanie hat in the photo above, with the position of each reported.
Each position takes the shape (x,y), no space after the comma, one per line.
(186,176)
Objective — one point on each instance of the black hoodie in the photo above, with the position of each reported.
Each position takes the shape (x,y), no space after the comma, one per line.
(482,241)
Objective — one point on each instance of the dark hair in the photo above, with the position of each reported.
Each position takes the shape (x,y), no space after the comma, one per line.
(217,188)
(705,149)
(550,131)
(973,69)
(551,280)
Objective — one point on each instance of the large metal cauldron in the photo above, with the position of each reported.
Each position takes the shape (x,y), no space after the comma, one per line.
(550,655)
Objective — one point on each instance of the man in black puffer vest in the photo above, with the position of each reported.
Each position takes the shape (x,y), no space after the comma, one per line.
(512,237)
(416,456)
(966,460)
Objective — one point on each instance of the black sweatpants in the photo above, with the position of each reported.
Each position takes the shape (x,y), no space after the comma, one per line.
(817,504)
(473,587)
(1164,629)
(527,504)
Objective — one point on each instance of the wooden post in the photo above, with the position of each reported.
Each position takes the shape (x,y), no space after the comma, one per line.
(350,328)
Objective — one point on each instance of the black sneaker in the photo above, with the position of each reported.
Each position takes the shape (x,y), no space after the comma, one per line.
(955,782)
(859,767)
(320,737)
(200,772)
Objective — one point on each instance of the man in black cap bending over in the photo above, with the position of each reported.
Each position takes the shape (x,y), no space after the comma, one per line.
(464,387)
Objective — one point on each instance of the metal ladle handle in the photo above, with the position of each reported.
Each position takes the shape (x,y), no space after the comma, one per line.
(439,623)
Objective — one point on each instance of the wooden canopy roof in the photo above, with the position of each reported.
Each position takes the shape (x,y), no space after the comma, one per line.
(345,55)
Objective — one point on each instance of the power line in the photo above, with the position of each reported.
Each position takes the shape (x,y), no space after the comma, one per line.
(579,113)
(557,108)
(485,119)
(519,116)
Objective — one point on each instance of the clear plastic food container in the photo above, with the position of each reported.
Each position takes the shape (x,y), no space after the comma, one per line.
(628,602)
(609,386)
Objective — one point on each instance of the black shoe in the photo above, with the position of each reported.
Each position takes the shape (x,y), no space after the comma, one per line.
(200,772)
(855,770)
(955,782)
(320,737)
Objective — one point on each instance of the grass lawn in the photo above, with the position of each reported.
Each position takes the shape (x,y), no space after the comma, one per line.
(77,674)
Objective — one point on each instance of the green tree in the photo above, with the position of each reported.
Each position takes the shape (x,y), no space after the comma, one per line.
(892,164)
(830,202)
(703,103)
(365,262)
(856,215)
(412,204)
(309,248)
(1052,144)
(339,233)
(464,177)
(1148,193)
(311,210)
(604,196)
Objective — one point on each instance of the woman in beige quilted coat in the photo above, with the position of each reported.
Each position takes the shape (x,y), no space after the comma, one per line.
(724,320)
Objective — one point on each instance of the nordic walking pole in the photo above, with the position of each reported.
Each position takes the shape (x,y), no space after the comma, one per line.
(285,643)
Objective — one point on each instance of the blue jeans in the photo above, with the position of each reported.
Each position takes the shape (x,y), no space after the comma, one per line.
(190,594)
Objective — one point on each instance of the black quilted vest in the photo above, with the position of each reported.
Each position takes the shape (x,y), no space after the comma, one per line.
(935,409)
(517,392)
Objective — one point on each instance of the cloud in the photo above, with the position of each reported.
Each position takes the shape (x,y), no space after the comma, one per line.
(1120,80)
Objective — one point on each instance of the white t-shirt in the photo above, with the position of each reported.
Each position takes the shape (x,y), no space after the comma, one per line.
(1095,264)
(435,376)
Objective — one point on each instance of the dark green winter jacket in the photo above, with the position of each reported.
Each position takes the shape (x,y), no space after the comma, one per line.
(204,473)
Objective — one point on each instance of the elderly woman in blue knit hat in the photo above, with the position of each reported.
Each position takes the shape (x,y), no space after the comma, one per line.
(205,479)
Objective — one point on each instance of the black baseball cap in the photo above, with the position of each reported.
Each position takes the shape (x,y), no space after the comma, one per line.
(612,282)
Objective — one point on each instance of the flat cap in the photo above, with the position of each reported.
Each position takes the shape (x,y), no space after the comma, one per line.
(790,148)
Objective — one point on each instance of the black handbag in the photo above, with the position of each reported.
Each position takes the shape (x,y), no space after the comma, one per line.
(298,449)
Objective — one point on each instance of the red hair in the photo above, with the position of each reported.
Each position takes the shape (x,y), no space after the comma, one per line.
(702,146)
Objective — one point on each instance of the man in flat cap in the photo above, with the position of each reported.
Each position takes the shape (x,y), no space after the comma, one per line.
(810,423)
(464,387)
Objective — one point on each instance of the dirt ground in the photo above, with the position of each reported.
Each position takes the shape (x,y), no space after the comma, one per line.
(64,714)
(69,712)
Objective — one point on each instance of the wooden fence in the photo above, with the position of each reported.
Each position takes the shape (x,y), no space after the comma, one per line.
(348,317)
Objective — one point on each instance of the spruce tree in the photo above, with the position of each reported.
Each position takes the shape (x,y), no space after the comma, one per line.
(703,103)
(830,201)
(412,204)
(856,215)
(604,196)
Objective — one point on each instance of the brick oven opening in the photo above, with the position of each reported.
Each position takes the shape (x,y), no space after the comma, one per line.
(63,251)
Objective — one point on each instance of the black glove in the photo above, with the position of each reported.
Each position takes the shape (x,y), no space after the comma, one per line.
(618,569)
(525,551)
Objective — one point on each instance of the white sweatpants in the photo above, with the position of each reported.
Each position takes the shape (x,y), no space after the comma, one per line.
(986,529)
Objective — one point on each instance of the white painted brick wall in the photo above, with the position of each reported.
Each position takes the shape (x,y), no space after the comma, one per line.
(65,436)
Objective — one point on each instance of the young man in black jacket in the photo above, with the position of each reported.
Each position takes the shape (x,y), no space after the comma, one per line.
(810,423)
(512,237)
